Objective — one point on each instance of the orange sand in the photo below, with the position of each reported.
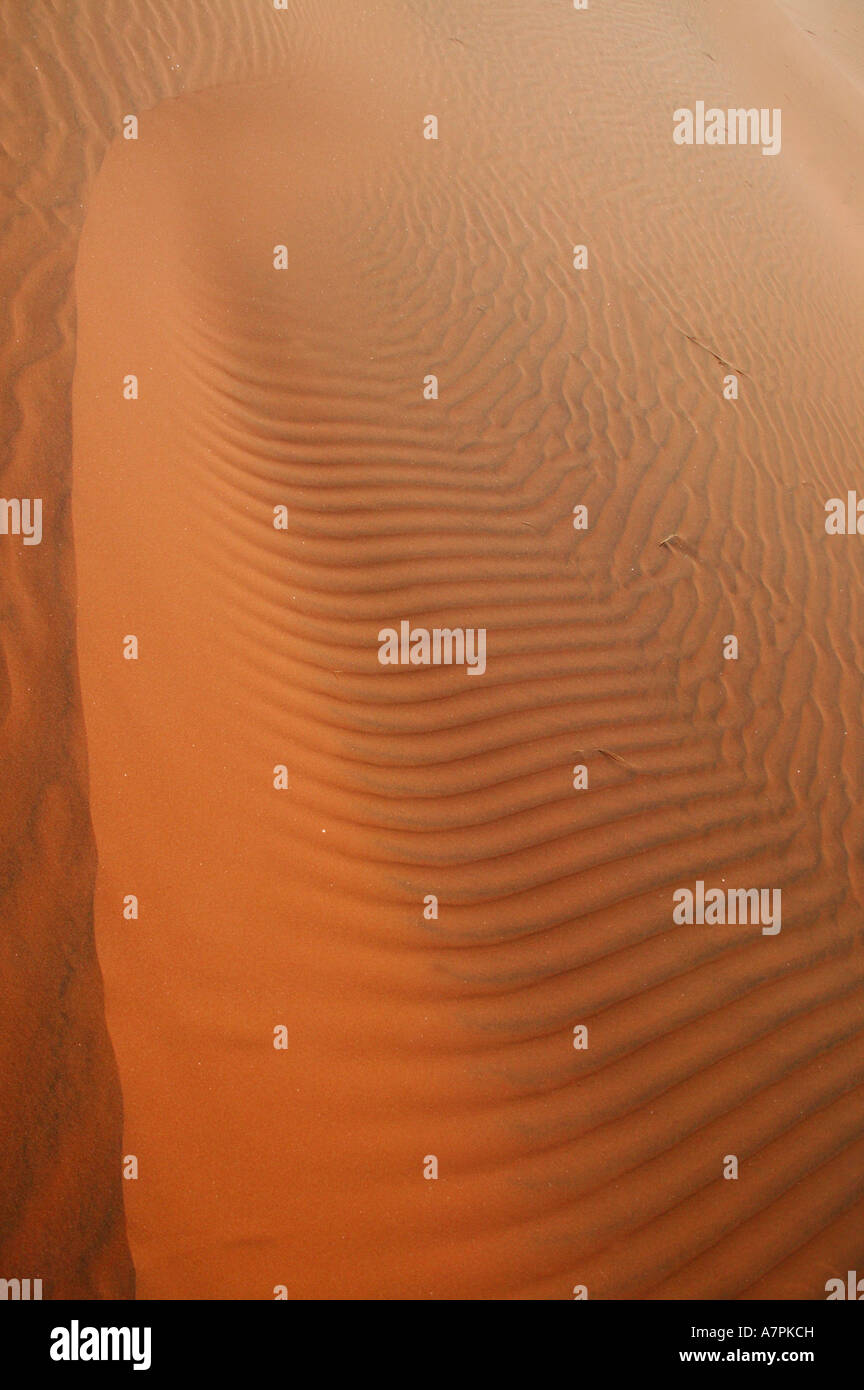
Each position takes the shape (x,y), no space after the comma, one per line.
(258,647)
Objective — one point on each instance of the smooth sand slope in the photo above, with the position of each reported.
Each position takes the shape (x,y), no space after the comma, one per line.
(303,907)
(71,69)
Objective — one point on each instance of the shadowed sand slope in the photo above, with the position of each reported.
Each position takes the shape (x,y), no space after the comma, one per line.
(302,906)
(70,71)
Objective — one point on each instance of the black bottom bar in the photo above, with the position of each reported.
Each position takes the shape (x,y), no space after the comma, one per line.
(217,1340)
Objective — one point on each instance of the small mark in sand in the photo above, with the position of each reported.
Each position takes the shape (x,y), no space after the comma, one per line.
(607,752)
(715,355)
(676,542)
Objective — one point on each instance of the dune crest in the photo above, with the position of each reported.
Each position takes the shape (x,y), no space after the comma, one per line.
(70,73)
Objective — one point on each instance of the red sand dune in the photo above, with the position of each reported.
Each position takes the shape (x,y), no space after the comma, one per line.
(258,647)
(70,72)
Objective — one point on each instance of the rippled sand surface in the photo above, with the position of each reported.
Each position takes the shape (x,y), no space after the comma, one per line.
(303,908)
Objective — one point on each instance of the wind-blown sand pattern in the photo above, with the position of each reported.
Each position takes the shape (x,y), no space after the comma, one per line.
(303,908)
